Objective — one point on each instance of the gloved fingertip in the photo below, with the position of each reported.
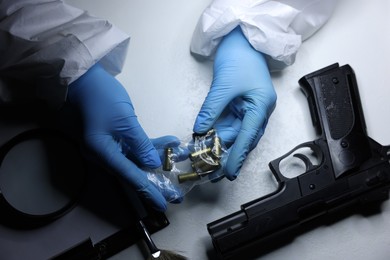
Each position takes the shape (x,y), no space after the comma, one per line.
(165,141)
(202,123)
(154,197)
(232,177)
(161,208)
(177,201)
(199,129)
(160,205)
(153,161)
(233,166)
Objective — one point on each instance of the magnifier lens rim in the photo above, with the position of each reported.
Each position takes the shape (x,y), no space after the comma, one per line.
(11,213)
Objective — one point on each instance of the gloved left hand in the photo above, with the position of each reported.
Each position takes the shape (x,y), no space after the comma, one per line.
(108,117)
(240,101)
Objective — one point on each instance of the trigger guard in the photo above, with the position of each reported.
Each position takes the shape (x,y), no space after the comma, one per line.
(274,165)
(306,160)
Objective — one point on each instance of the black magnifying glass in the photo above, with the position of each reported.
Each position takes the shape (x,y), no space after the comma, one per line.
(42,176)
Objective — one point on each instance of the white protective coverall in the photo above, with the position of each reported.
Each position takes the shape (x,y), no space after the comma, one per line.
(275,28)
(51,44)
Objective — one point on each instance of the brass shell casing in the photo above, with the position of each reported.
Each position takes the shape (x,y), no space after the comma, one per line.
(168,163)
(193,156)
(192,176)
(217,150)
(201,166)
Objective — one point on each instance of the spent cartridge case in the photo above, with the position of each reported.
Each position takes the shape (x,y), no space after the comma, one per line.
(192,176)
(217,149)
(205,152)
(168,162)
(202,166)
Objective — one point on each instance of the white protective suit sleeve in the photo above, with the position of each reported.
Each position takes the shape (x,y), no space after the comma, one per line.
(275,28)
(65,39)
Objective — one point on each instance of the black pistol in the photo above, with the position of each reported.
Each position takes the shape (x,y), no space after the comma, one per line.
(350,170)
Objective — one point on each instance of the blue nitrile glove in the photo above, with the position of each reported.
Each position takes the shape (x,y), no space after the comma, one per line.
(167,189)
(108,117)
(240,101)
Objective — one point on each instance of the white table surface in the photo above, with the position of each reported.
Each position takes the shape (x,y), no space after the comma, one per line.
(167,86)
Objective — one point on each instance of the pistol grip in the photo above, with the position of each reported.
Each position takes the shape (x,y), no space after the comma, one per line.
(338,115)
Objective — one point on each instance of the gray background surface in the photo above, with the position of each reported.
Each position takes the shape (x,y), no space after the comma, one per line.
(168,87)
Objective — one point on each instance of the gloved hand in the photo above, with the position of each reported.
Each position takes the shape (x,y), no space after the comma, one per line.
(240,100)
(110,122)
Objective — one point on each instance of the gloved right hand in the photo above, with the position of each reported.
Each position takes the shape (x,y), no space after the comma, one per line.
(108,117)
(240,100)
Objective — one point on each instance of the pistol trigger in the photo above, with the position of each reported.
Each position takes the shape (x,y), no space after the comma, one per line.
(306,160)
